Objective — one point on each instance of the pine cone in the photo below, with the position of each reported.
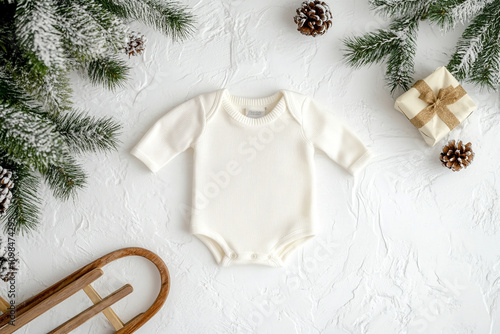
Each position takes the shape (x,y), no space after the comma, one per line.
(136,44)
(456,157)
(314,18)
(8,265)
(6,184)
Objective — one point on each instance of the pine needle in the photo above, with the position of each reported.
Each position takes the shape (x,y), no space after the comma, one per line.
(29,138)
(65,178)
(37,33)
(109,72)
(477,55)
(24,209)
(448,13)
(399,8)
(168,17)
(370,48)
(85,133)
(395,45)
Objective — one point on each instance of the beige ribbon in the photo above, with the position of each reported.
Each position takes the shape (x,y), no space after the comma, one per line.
(437,104)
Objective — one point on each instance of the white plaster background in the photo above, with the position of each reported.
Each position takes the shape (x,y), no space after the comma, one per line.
(405,247)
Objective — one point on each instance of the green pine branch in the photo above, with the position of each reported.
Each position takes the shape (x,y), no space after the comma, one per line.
(441,13)
(111,27)
(110,72)
(395,45)
(49,86)
(400,63)
(168,17)
(84,36)
(173,19)
(84,133)
(399,8)
(9,93)
(477,55)
(24,209)
(28,137)
(486,69)
(372,47)
(26,133)
(7,30)
(448,13)
(51,89)
(37,33)
(66,178)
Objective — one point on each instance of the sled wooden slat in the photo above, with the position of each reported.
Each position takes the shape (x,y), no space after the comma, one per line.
(108,312)
(51,300)
(4,305)
(79,319)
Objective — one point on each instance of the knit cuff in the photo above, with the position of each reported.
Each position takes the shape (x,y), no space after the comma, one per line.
(153,166)
(360,163)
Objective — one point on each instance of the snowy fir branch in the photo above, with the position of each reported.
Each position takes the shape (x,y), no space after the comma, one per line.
(84,133)
(29,137)
(372,47)
(400,61)
(168,17)
(399,8)
(24,210)
(26,133)
(477,56)
(41,42)
(109,72)
(37,34)
(396,45)
(447,14)
(91,31)
(51,89)
(65,178)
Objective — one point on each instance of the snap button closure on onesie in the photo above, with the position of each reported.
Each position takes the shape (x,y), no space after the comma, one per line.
(253,256)
(233,256)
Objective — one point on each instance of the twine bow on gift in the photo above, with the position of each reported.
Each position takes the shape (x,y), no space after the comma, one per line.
(437,104)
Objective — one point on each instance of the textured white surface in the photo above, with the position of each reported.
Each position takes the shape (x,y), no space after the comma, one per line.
(406,247)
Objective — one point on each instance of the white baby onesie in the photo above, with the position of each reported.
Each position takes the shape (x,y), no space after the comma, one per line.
(253,168)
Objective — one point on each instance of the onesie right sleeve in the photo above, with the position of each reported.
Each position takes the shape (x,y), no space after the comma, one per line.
(328,134)
(172,134)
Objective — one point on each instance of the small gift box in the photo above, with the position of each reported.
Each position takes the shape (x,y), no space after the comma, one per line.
(436,105)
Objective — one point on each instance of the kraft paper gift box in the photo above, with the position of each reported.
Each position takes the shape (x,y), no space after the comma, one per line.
(436,105)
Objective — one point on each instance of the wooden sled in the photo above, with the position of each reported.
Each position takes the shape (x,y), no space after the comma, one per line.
(81,279)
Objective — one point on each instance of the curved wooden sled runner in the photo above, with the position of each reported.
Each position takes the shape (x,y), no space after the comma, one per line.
(81,279)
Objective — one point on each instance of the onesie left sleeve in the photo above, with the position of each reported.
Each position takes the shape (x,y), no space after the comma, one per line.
(172,134)
(334,138)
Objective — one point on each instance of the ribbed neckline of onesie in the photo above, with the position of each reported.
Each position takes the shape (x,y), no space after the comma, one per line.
(229,101)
